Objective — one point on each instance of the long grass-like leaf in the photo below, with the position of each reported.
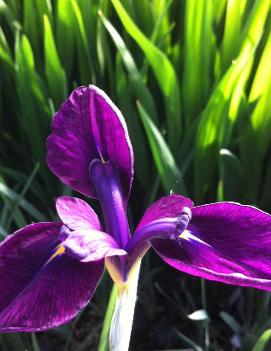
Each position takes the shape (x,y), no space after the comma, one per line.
(126,96)
(161,33)
(55,74)
(255,141)
(265,198)
(7,12)
(35,343)
(22,195)
(221,111)
(5,53)
(198,55)
(143,13)
(44,8)
(65,34)
(232,31)
(214,126)
(89,11)
(263,340)
(188,341)
(7,210)
(83,50)
(170,174)
(261,81)
(141,91)
(31,24)
(163,71)
(3,232)
(25,72)
(12,195)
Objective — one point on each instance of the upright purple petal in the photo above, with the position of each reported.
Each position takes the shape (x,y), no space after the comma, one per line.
(167,207)
(226,242)
(114,207)
(37,291)
(87,127)
(76,213)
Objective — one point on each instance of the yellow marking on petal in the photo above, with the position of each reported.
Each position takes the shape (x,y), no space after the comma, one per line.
(60,250)
(184,235)
(113,272)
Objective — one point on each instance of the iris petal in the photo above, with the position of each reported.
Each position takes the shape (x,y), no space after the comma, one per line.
(91,245)
(87,127)
(37,293)
(167,207)
(226,242)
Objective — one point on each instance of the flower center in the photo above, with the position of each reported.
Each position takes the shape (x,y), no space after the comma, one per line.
(183,220)
(164,228)
(73,243)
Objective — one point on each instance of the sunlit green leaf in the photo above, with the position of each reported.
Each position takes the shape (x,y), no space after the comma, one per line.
(170,174)
(232,31)
(65,34)
(198,55)
(163,71)
(262,341)
(5,53)
(126,95)
(140,88)
(55,74)
(220,114)
(29,95)
(83,50)
(255,141)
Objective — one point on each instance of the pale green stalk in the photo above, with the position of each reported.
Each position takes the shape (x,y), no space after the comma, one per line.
(103,344)
(122,320)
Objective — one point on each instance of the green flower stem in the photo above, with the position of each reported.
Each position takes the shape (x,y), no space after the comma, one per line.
(103,344)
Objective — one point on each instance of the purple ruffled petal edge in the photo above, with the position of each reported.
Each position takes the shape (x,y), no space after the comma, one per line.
(89,126)
(225,242)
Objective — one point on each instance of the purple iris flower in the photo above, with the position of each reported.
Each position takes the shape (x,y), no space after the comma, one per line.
(49,271)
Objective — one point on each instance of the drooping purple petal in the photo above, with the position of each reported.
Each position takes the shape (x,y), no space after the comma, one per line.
(168,206)
(87,127)
(82,236)
(76,213)
(226,242)
(88,245)
(37,291)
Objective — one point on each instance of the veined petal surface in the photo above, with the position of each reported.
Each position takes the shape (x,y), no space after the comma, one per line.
(76,213)
(37,291)
(87,127)
(226,242)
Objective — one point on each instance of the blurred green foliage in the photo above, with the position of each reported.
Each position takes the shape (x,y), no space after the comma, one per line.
(193,80)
